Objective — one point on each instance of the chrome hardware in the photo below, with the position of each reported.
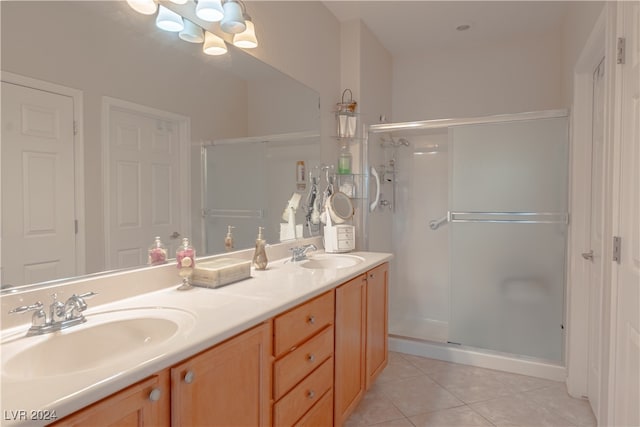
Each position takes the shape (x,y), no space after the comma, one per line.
(620,51)
(311,394)
(24,308)
(299,253)
(617,244)
(189,377)
(311,319)
(588,255)
(311,358)
(61,315)
(155,395)
(436,223)
(511,217)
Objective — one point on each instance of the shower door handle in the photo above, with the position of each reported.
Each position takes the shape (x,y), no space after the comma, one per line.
(375,202)
(588,255)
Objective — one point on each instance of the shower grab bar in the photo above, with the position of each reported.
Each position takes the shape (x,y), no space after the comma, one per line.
(504,217)
(234,213)
(436,223)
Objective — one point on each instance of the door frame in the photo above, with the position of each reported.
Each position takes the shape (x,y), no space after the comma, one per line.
(184,135)
(577,321)
(78,153)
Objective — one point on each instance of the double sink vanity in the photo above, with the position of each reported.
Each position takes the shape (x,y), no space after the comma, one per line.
(296,344)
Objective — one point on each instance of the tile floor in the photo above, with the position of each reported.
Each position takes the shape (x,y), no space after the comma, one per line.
(416,391)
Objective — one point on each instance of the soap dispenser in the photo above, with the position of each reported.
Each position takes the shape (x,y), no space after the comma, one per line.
(260,255)
(228,241)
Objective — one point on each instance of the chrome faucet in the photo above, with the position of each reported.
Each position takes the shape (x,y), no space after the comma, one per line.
(299,253)
(61,315)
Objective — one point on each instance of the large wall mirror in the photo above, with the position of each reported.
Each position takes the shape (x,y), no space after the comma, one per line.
(174,143)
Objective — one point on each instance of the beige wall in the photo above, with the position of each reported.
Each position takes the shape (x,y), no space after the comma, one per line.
(508,77)
(580,21)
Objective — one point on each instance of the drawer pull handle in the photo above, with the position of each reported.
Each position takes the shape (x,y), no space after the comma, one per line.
(311,358)
(155,394)
(189,377)
(311,394)
(311,319)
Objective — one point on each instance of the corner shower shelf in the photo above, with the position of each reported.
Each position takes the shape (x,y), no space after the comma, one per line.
(355,181)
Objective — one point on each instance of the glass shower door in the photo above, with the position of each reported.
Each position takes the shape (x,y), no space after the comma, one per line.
(508,214)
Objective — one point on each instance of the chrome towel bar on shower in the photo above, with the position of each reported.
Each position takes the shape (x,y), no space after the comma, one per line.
(503,218)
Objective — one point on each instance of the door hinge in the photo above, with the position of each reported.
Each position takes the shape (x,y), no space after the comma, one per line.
(620,56)
(75,127)
(616,249)
(75,225)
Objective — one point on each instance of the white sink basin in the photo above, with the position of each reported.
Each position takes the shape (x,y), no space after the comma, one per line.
(331,261)
(103,340)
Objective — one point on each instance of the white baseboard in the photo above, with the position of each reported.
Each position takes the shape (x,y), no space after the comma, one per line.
(474,357)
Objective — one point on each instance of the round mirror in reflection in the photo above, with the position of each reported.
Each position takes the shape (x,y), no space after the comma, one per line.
(341,207)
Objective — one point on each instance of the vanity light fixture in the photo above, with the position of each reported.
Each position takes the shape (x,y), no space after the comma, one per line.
(213,45)
(246,39)
(232,15)
(191,33)
(210,10)
(146,7)
(168,20)
(233,21)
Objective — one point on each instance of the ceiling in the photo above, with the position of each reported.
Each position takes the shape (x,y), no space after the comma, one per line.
(420,26)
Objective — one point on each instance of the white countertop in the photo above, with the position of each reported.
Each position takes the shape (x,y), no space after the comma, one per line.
(213,315)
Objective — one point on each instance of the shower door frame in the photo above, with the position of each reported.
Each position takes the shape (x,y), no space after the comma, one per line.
(441,124)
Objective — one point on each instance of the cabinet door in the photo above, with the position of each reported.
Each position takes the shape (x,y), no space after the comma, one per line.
(143,404)
(350,347)
(228,385)
(377,297)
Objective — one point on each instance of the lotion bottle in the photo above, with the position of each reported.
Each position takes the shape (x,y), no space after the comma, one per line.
(260,255)
(228,241)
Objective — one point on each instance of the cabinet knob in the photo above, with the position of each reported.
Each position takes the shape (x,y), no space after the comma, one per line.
(311,394)
(311,319)
(372,276)
(311,358)
(155,394)
(189,377)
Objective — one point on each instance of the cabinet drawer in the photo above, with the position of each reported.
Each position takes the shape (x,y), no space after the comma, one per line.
(321,414)
(296,365)
(302,322)
(303,396)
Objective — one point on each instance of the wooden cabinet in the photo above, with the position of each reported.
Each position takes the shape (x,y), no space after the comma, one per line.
(309,366)
(227,385)
(349,384)
(377,322)
(361,351)
(143,404)
(303,369)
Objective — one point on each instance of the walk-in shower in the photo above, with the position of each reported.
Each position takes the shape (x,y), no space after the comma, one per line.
(479,232)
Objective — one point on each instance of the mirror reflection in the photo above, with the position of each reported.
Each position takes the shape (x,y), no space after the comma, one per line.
(115,132)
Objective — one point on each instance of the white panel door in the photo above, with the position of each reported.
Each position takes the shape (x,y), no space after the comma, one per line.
(38,202)
(594,254)
(144,184)
(626,391)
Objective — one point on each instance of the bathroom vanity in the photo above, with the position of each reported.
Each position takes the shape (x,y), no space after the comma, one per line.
(297,344)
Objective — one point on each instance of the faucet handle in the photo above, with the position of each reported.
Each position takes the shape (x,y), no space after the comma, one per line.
(24,308)
(87,295)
